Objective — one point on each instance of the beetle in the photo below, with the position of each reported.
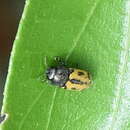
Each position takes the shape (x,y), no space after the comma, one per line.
(68,78)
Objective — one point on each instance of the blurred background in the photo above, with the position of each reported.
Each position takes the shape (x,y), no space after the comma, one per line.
(10,14)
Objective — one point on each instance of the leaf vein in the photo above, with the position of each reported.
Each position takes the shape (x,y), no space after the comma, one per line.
(51,108)
(30,108)
(76,40)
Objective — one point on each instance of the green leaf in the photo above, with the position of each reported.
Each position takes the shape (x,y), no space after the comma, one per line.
(91,33)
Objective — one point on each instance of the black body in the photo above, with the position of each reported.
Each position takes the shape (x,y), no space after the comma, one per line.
(58,75)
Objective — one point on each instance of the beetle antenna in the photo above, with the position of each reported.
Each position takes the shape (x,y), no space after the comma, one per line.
(59,60)
(45,61)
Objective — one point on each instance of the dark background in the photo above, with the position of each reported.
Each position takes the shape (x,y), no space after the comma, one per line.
(10,14)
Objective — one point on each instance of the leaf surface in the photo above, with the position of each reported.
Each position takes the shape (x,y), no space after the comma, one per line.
(90,34)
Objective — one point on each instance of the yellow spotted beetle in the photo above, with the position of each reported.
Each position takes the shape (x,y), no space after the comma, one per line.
(68,78)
